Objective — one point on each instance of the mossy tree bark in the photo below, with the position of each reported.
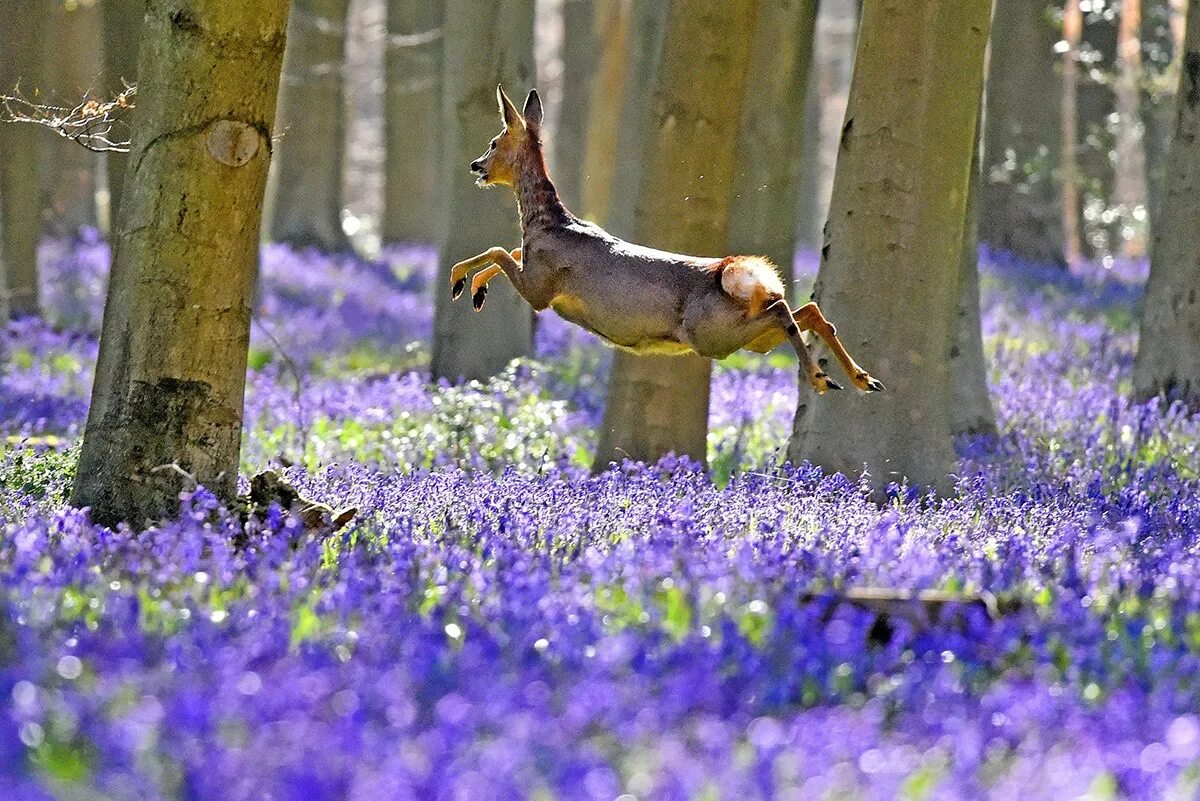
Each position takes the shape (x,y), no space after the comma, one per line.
(890,266)
(413,122)
(72,69)
(1168,357)
(659,404)
(21,40)
(486,43)
(306,172)
(771,149)
(172,367)
(122,28)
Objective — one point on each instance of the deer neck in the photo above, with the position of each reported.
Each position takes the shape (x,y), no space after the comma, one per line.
(537,199)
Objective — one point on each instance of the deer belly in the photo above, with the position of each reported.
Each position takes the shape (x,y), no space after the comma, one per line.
(574,311)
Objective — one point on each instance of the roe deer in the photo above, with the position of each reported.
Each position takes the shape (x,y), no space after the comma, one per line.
(637,298)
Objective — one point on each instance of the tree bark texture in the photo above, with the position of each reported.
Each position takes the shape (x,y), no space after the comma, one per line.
(306,171)
(413,122)
(21,39)
(172,366)
(1021,197)
(486,43)
(771,149)
(889,277)
(72,69)
(659,404)
(122,29)
(1168,357)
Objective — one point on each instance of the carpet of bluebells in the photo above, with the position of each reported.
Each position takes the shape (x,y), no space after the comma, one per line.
(499,624)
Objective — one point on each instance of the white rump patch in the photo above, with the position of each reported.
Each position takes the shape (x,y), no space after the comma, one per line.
(749,275)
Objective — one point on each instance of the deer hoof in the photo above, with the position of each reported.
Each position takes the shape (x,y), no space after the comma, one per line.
(458,288)
(866,383)
(479,297)
(875,385)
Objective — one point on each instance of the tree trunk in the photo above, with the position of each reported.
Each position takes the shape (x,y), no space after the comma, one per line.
(1162,32)
(647,28)
(122,28)
(1069,143)
(21,39)
(771,148)
(604,109)
(486,43)
(306,173)
(971,410)
(1129,190)
(413,122)
(580,40)
(72,69)
(1168,357)
(891,261)
(1020,198)
(172,366)
(659,404)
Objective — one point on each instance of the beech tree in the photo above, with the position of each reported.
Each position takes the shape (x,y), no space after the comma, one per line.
(771,150)
(306,173)
(167,401)
(21,38)
(891,260)
(1168,357)
(659,404)
(486,44)
(412,121)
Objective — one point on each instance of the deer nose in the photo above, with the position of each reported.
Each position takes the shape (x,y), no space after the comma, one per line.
(477,165)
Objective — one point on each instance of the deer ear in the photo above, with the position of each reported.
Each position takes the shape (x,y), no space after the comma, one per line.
(533,109)
(512,118)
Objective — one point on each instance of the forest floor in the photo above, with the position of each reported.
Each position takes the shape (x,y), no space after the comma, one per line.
(497,623)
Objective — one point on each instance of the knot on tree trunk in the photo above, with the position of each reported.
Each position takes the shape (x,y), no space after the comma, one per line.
(232,142)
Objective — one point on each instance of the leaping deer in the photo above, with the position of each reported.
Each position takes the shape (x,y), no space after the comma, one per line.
(637,298)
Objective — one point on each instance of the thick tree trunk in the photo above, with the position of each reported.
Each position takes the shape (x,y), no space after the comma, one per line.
(659,404)
(891,261)
(306,173)
(1162,32)
(122,28)
(21,39)
(72,69)
(771,147)
(971,410)
(647,28)
(1020,198)
(579,64)
(172,366)
(1168,357)
(609,85)
(413,122)
(486,43)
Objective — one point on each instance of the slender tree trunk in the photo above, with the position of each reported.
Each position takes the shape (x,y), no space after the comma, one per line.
(306,173)
(73,68)
(122,28)
(771,148)
(487,43)
(579,59)
(1020,198)
(413,121)
(21,39)
(1129,191)
(1168,357)
(971,410)
(647,28)
(659,404)
(1069,162)
(172,365)
(611,79)
(891,262)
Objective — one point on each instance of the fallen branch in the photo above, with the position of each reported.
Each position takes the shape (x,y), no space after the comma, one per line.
(91,123)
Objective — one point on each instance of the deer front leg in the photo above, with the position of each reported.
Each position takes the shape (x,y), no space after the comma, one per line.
(459,272)
(810,318)
(782,313)
(479,284)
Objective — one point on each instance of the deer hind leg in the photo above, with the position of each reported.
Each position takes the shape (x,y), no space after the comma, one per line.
(497,255)
(782,314)
(810,318)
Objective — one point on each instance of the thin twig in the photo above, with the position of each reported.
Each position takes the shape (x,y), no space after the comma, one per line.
(90,123)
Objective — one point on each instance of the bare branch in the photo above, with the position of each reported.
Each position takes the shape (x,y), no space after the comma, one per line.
(97,126)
